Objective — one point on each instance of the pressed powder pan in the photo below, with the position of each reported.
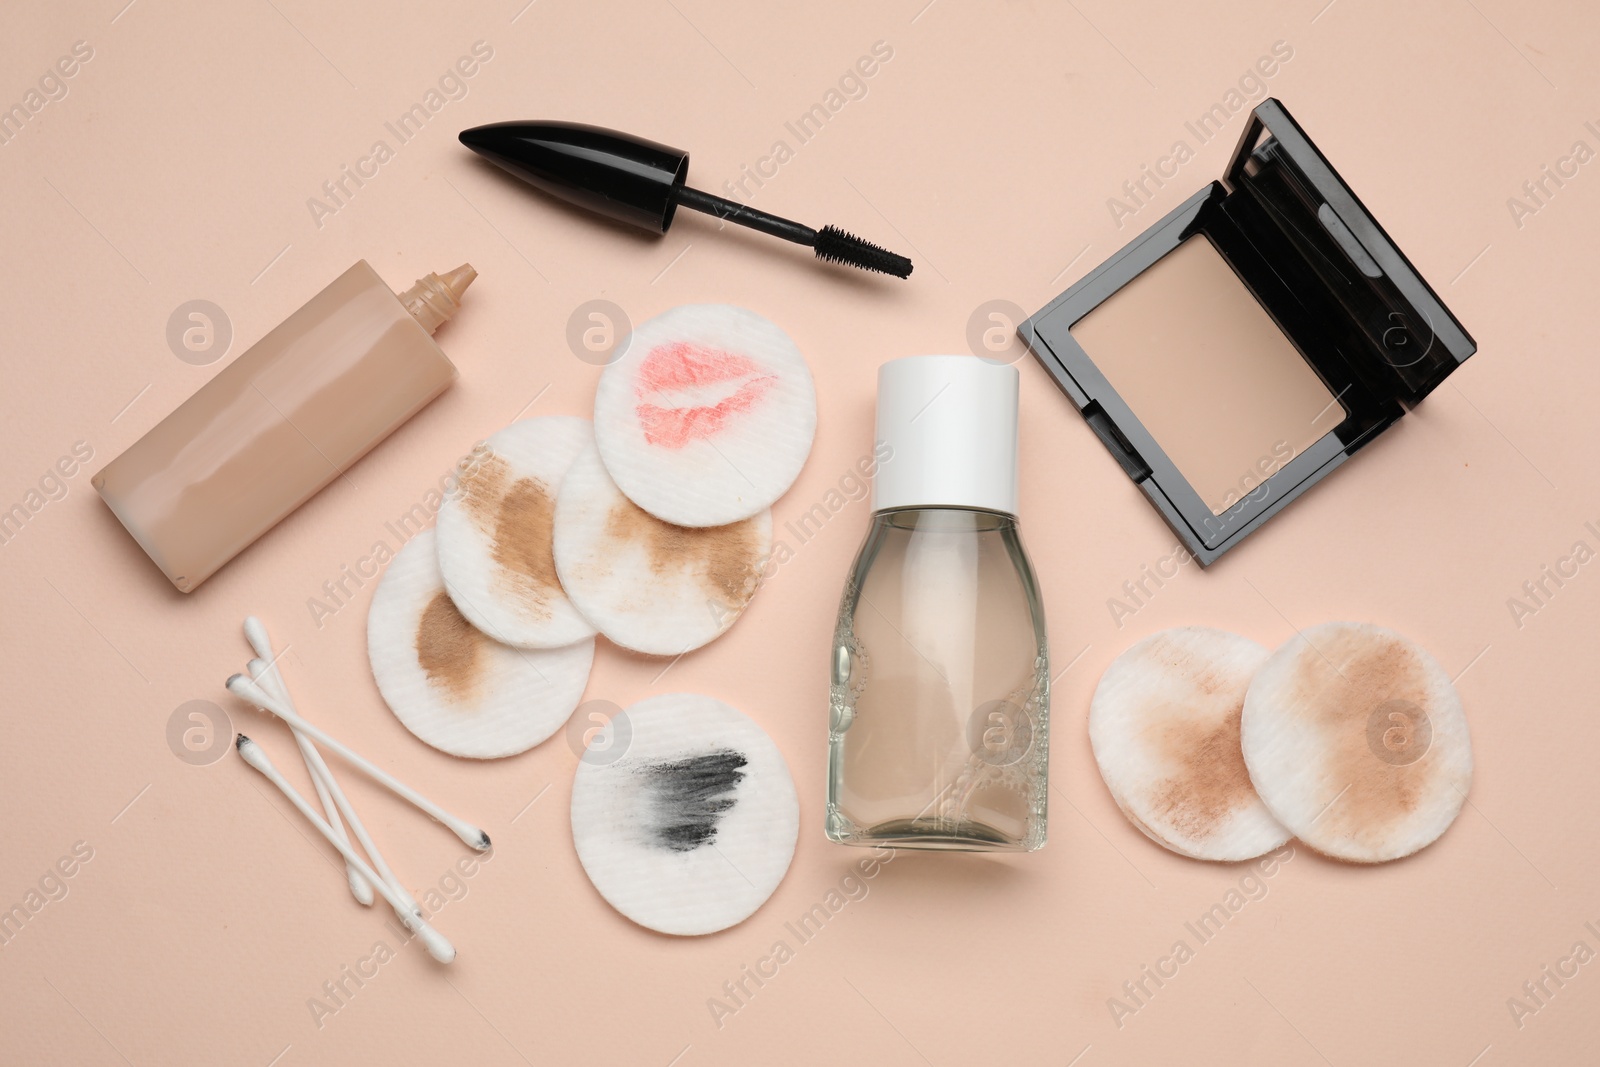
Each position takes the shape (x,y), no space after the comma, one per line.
(1210,374)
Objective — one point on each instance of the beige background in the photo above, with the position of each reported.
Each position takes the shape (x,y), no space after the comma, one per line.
(178,166)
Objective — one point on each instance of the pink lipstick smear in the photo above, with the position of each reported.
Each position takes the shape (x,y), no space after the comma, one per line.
(688,392)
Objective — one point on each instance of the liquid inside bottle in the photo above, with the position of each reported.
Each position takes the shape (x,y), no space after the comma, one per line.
(940,694)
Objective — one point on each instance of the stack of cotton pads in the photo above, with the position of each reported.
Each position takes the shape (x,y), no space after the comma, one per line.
(702,421)
(1349,737)
(649,526)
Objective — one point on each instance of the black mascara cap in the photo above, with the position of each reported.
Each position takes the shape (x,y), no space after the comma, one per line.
(625,178)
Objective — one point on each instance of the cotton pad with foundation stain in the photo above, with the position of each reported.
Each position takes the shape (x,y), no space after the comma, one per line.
(684,815)
(648,585)
(494,534)
(1164,725)
(706,416)
(453,686)
(1356,740)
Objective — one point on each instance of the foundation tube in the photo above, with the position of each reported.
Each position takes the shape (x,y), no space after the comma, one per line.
(283,420)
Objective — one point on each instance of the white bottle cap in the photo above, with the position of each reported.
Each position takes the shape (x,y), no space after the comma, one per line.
(950,424)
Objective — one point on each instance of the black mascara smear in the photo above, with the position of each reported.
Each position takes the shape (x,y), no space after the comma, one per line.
(691,795)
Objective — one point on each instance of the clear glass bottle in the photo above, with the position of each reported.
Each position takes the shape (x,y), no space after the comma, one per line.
(940,680)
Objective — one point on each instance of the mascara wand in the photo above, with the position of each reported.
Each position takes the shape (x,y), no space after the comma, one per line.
(641,183)
(831,244)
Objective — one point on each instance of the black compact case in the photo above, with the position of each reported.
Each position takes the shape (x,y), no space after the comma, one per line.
(1328,276)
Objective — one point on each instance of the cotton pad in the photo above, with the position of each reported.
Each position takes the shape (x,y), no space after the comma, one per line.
(706,416)
(646,584)
(1356,740)
(1164,725)
(692,827)
(454,687)
(494,534)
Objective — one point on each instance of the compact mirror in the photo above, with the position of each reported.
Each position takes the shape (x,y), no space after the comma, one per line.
(1250,342)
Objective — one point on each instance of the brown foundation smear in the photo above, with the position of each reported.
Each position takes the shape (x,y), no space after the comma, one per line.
(723,558)
(521,521)
(523,534)
(483,486)
(1372,670)
(450,649)
(1212,782)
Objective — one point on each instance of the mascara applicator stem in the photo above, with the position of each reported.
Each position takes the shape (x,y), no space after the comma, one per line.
(755,219)
(830,243)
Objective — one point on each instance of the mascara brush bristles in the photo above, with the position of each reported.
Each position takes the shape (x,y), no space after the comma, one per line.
(837,246)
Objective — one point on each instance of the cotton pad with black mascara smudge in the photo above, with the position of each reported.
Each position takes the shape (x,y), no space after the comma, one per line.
(707,415)
(684,815)
(1164,726)
(1356,739)
(648,585)
(494,534)
(456,688)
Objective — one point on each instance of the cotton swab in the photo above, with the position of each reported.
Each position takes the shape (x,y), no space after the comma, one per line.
(320,772)
(437,945)
(265,675)
(270,679)
(264,672)
(243,687)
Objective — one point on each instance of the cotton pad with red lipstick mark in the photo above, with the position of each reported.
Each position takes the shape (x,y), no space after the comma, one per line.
(1164,725)
(707,415)
(646,584)
(494,534)
(1356,739)
(453,686)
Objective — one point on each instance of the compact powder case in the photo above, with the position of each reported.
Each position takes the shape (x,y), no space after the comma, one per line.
(1250,342)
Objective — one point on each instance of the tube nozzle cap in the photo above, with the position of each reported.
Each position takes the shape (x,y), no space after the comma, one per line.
(436,298)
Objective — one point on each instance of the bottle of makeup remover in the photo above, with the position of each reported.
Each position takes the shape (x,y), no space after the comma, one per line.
(938,734)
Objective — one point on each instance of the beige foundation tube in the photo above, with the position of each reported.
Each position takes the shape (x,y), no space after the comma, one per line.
(283,420)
